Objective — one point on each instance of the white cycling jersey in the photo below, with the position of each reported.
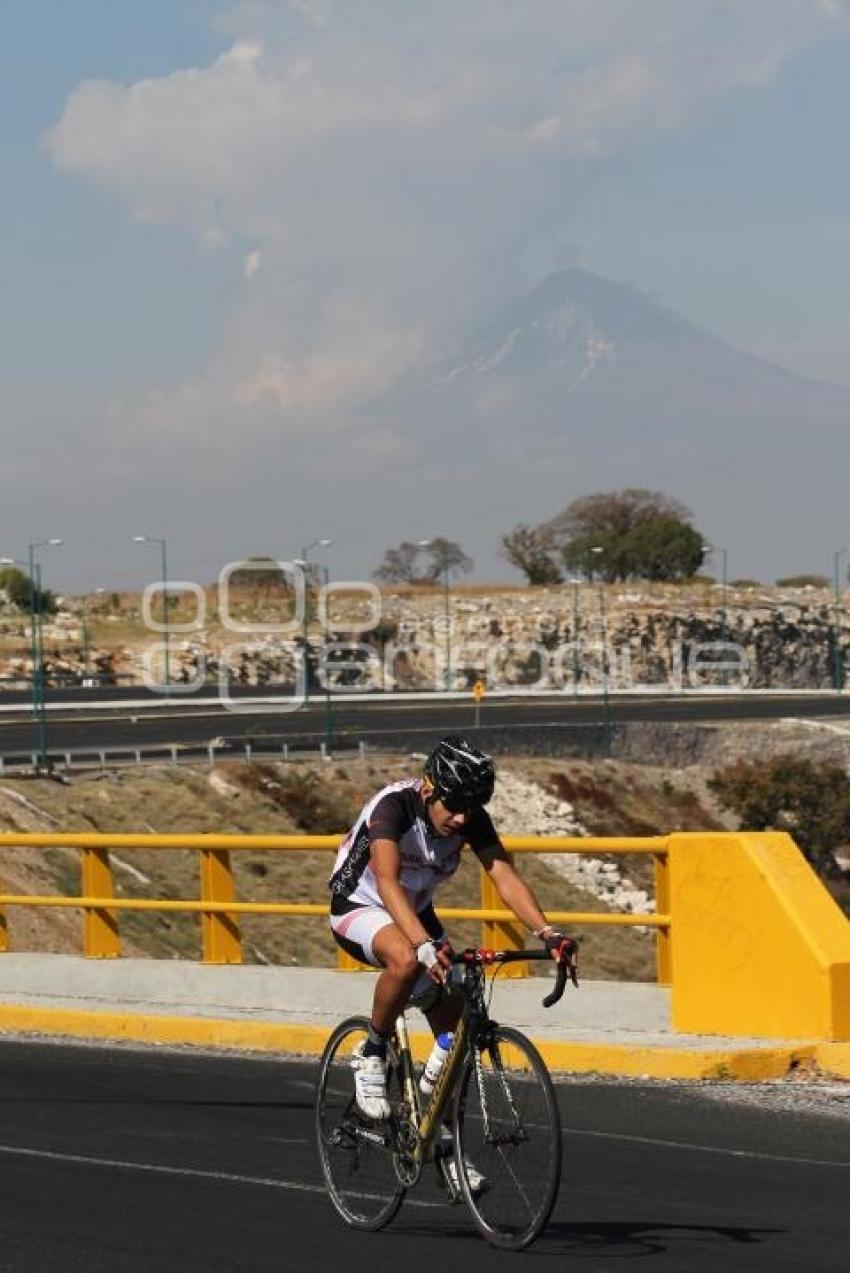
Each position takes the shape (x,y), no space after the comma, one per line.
(398,812)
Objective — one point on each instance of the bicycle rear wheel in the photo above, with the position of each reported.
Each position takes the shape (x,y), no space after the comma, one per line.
(507,1126)
(355,1153)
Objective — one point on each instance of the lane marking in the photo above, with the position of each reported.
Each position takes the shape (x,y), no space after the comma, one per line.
(268,1182)
(710,1149)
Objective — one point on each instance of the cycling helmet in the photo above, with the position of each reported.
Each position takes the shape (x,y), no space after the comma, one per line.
(460,774)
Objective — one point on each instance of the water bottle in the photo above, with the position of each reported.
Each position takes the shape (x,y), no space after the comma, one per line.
(435,1062)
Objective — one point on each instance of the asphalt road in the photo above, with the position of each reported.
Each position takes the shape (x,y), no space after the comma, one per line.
(189,725)
(153,1162)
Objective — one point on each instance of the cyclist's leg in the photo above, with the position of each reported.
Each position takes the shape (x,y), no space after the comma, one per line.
(369,934)
(394,953)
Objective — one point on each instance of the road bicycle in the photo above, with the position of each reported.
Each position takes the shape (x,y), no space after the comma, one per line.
(495,1092)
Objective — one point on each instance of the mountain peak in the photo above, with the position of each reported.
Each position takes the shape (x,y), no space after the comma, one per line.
(620,310)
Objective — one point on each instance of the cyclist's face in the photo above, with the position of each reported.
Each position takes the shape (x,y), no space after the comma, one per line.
(445,821)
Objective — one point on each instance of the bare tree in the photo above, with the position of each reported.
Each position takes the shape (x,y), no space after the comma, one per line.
(400,565)
(446,557)
(404,563)
(529,548)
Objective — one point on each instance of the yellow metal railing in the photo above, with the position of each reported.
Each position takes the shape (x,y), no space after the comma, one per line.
(219,909)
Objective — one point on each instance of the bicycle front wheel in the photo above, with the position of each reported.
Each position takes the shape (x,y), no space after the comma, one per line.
(356,1154)
(507,1130)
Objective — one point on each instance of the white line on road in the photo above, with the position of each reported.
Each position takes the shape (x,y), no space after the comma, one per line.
(268,1182)
(710,1149)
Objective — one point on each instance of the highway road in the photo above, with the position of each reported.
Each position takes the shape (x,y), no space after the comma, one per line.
(143,1161)
(195,724)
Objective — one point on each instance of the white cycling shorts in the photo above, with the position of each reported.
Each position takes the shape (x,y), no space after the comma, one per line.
(358,928)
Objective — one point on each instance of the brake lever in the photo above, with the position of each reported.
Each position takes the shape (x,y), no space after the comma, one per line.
(566,968)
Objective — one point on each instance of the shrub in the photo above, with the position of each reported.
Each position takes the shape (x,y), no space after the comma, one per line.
(810,801)
(803,581)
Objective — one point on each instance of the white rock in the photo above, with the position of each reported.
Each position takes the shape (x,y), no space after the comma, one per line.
(223,786)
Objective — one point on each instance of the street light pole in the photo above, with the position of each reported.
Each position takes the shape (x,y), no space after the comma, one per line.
(606,706)
(163,548)
(574,583)
(304,561)
(713,548)
(837,662)
(87,639)
(448,622)
(39,707)
(329,710)
(447,611)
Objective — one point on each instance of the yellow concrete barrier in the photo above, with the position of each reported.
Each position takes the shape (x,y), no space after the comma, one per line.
(758,946)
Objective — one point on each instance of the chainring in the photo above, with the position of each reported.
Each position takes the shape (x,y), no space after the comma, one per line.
(407,1161)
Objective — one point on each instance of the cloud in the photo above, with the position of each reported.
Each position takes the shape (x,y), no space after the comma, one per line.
(381,172)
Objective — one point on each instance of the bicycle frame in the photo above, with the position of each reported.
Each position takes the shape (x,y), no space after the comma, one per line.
(428,1120)
(468,1032)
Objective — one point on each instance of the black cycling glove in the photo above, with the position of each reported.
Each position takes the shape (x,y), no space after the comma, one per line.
(564,948)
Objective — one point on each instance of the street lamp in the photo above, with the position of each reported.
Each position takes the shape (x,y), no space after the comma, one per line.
(304,561)
(713,548)
(574,583)
(163,547)
(329,719)
(37,650)
(87,637)
(446,569)
(606,706)
(837,664)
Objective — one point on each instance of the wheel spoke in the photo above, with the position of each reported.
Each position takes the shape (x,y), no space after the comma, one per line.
(507,1125)
(356,1157)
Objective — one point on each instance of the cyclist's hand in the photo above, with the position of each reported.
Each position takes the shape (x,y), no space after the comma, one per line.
(563,949)
(435,955)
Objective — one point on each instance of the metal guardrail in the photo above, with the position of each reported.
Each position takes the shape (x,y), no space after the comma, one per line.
(219,909)
(176,754)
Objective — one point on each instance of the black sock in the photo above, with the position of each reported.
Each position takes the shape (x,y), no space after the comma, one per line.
(376,1044)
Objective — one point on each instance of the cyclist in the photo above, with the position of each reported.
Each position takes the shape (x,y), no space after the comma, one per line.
(407,841)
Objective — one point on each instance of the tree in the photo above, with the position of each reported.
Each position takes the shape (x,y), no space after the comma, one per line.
(790,793)
(641,534)
(16,584)
(663,549)
(803,581)
(613,513)
(402,564)
(528,548)
(446,557)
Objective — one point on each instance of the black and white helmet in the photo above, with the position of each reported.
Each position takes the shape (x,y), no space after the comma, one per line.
(461,775)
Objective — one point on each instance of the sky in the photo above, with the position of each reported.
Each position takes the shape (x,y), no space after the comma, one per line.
(228,227)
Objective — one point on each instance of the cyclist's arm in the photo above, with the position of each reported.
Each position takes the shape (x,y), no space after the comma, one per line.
(385,862)
(511,887)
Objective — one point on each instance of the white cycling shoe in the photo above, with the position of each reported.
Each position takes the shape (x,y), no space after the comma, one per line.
(370,1084)
(477,1181)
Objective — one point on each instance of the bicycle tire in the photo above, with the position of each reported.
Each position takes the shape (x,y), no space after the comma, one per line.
(511,1133)
(360,1175)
